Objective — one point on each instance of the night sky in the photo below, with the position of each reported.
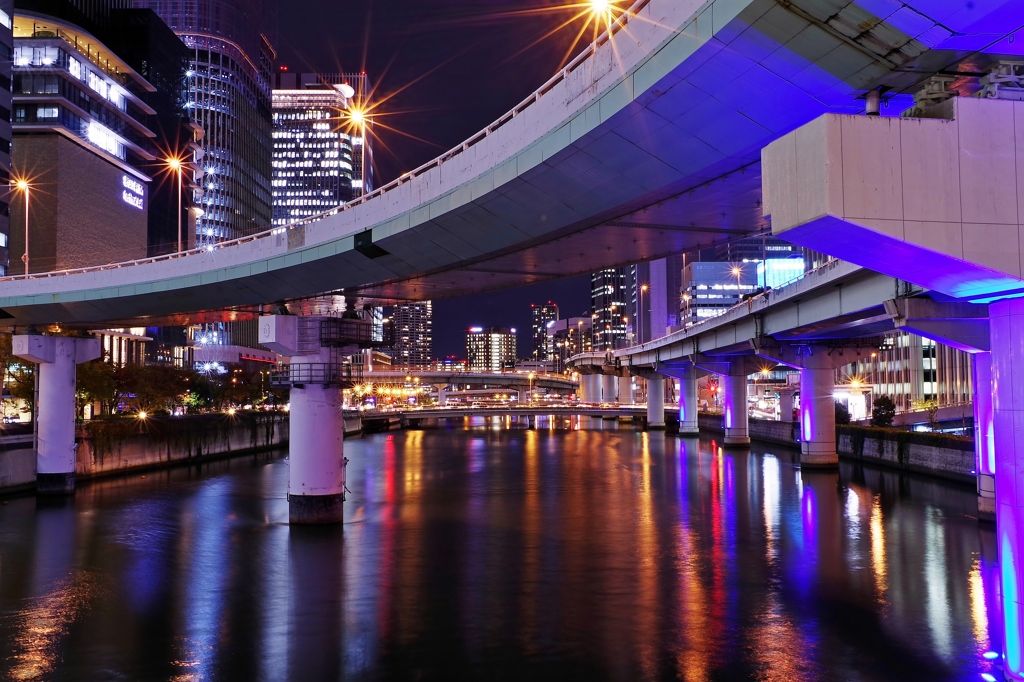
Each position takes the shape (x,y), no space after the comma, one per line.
(443,70)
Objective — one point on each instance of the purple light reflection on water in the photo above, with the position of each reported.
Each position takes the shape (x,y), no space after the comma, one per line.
(527,566)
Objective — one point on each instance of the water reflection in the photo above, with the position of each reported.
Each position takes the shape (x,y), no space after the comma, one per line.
(482,551)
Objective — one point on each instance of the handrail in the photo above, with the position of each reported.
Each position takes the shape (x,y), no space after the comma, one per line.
(617,25)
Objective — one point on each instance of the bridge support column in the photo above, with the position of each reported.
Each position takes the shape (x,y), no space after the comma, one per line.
(735,419)
(656,402)
(316,476)
(688,402)
(786,396)
(56,357)
(608,387)
(818,414)
(1006,319)
(626,390)
(593,387)
(316,422)
(984,438)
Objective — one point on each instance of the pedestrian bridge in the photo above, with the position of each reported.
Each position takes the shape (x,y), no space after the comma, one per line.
(646,144)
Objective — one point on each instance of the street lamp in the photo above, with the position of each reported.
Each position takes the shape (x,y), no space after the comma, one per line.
(737,271)
(530,388)
(358,117)
(639,314)
(24,186)
(176,164)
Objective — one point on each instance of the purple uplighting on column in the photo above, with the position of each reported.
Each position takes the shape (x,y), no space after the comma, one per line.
(1006,325)
(984,428)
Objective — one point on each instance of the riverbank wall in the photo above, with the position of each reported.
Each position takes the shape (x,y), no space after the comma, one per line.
(118,446)
(935,454)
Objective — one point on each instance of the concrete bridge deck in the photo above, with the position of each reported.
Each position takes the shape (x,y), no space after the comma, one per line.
(647,144)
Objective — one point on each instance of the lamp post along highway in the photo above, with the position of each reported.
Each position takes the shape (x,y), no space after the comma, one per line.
(24,186)
(175,165)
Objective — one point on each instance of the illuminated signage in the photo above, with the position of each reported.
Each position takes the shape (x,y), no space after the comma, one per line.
(134,192)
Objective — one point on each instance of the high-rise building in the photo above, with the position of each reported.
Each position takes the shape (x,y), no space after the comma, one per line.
(6,50)
(544,315)
(611,306)
(81,142)
(412,328)
(359,96)
(655,297)
(152,48)
(710,289)
(229,95)
(314,167)
(490,349)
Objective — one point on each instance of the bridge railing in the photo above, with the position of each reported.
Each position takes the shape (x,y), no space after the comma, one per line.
(614,27)
(340,374)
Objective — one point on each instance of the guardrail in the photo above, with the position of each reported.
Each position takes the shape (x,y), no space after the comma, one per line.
(617,25)
(344,375)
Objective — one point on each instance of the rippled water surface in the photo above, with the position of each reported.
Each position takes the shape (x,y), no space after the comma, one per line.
(504,554)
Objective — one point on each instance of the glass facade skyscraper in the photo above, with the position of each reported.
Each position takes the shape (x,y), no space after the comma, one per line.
(229,95)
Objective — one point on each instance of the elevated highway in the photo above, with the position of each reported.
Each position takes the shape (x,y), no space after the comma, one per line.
(552,382)
(646,144)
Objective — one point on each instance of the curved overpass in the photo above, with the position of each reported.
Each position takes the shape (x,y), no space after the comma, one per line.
(647,144)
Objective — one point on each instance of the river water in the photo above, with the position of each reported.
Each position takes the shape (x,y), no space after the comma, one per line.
(476,551)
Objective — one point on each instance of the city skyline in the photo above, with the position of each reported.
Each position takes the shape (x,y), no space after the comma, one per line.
(634,311)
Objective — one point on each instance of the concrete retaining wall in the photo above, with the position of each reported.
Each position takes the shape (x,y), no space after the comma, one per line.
(948,462)
(138,452)
(955,461)
(18,463)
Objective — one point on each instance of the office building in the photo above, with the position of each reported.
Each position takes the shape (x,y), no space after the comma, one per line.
(229,96)
(655,297)
(913,371)
(411,335)
(313,155)
(152,48)
(710,289)
(611,306)
(81,142)
(543,316)
(6,73)
(490,349)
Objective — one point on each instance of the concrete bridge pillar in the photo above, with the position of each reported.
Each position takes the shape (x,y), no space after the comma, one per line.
(593,387)
(818,414)
(736,421)
(626,390)
(56,357)
(984,438)
(786,396)
(656,402)
(316,423)
(688,407)
(1006,319)
(442,396)
(316,459)
(608,387)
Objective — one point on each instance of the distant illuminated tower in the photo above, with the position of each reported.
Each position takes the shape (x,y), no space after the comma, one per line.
(229,91)
(542,316)
(413,330)
(490,350)
(611,306)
